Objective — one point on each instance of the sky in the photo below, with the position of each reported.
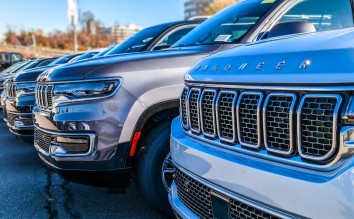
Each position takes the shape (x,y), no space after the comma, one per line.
(52,14)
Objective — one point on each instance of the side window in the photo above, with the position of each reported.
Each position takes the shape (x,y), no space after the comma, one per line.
(4,57)
(16,57)
(173,37)
(324,14)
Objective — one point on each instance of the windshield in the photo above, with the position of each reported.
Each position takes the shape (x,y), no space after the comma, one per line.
(19,67)
(104,52)
(137,42)
(62,60)
(87,55)
(229,25)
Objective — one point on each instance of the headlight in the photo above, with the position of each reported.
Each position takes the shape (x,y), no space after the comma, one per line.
(69,92)
(23,89)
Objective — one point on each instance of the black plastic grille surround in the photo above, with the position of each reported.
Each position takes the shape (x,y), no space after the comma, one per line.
(197,197)
(267,120)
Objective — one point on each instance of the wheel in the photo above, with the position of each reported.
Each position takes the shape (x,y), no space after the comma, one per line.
(154,170)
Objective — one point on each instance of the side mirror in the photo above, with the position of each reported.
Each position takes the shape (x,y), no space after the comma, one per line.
(287,28)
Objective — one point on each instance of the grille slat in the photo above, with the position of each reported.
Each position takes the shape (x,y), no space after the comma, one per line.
(317,120)
(278,122)
(197,197)
(207,112)
(44,96)
(193,112)
(226,110)
(249,120)
(285,124)
(183,109)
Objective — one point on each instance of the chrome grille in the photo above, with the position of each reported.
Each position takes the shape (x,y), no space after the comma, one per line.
(42,140)
(278,121)
(44,96)
(183,110)
(10,90)
(272,122)
(193,112)
(318,122)
(226,111)
(249,120)
(197,197)
(207,112)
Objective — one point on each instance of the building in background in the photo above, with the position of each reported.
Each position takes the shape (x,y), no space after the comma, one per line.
(195,7)
(122,32)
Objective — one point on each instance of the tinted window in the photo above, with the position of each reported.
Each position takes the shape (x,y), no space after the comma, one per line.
(45,63)
(174,36)
(4,57)
(62,60)
(324,14)
(137,42)
(87,55)
(16,57)
(229,25)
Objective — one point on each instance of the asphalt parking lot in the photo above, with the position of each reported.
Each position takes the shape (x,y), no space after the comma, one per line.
(30,190)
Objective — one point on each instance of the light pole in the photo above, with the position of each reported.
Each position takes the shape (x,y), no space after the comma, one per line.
(73,17)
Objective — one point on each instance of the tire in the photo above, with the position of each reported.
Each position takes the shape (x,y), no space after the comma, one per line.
(149,169)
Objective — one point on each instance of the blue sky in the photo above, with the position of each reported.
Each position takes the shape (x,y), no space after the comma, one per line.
(51,14)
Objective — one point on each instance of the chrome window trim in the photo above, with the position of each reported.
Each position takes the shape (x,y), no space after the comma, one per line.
(198,111)
(236,197)
(259,125)
(213,111)
(334,127)
(233,112)
(186,126)
(91,136)
(292,134)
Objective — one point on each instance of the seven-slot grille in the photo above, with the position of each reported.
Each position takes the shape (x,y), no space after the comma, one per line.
(44,95)
(42,140)
(197,197)
(10,90)
(287,124)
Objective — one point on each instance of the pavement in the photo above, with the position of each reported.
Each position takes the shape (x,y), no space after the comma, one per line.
(28,189)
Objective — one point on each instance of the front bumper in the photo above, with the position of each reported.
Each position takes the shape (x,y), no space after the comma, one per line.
(282,189)
(18,115)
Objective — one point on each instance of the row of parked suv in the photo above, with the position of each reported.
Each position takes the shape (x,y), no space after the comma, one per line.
(265,113)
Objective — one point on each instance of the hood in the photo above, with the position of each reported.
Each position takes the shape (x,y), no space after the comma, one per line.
(113,66)
(306,59)
(30,75)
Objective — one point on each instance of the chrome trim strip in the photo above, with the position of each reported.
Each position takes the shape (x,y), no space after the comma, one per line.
(186,126)
(198,113)
(213,135)
(344,88)
(234,196)
(334,131)
(259,126)
(91,136)
(291,123)
(233,112)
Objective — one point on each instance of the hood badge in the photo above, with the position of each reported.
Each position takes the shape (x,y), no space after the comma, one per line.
(304,65)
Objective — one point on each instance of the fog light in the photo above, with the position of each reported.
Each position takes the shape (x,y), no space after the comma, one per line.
(57,150)
(348,136)
(19,124)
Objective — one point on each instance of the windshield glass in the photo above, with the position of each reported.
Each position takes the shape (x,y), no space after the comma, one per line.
(19,67)
(62,60)
(229,25)
(104,52)
(137,42)
(87,55)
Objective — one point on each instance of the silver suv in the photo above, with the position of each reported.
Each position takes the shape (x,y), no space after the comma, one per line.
(272,136)
(106,121)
